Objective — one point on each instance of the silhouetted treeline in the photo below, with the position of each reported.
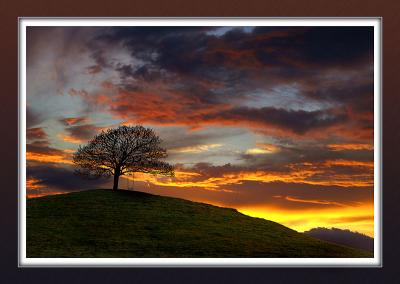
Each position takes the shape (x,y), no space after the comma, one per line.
(344,237)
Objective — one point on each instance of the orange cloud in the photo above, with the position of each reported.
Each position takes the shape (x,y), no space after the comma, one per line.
(48,158)
(294,176)
(342,147)
(70,139)
(313,201)
(33,184)
(34,194)
(74,120)
(34,188)
(341,162)
(181,109)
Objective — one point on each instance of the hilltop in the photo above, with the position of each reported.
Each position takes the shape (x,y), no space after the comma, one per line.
(103,223)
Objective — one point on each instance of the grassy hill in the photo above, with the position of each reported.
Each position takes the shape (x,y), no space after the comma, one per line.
(102,223)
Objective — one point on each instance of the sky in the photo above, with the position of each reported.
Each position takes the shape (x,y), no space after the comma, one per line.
(276,122)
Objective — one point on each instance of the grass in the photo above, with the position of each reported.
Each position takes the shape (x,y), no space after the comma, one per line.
(103,223)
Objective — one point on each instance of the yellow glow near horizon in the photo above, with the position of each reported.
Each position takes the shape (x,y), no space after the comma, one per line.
(358,219)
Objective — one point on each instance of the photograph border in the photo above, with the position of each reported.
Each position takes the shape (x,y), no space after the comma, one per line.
(376,261)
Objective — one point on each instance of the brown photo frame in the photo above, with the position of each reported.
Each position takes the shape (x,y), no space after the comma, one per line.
(264,9)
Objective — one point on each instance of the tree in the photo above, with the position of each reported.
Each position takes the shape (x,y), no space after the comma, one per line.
(122,150)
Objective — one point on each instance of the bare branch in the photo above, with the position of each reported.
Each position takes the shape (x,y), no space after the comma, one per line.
(122,150)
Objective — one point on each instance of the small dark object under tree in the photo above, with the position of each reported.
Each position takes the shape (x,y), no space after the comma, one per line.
(122,150)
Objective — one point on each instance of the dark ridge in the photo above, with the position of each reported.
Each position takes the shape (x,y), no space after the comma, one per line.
(343,237)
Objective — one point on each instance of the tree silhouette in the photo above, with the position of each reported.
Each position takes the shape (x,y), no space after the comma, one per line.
(122,150)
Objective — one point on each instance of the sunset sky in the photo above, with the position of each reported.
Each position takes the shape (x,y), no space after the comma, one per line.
(276,122)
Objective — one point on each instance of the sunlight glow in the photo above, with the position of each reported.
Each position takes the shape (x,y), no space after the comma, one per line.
(357,218)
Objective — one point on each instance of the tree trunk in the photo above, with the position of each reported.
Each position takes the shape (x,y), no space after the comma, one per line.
(116,179)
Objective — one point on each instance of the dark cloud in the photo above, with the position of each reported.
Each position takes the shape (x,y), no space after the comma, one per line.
(146,73)
(328,64)
(356,91)
(336,45)
(38,144)
(42,147)
(55,179)
(190,49)
(125,70)
(36,133)
(174,137)
(297,121)
(94,69)
(82,132)
(314,153)
(306,46)
(198,109)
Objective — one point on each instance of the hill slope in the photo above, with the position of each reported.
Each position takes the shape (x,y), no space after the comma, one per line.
(102,223)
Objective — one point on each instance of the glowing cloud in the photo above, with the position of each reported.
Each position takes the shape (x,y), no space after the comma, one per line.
(263,149)
(70,139)
(355,218)
(196,148)
(33,184)
(313,201)
(341,162)
(48,158)
(342,147)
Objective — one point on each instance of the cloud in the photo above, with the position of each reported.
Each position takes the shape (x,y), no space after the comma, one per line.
(205,78)
(196,148)
(70,139)
(42,153)
(32,117)
(181,109)
(48,179)
(311,201)
(94,69)
(36,133)
(79,133)
(298,122)
(190,50)
(70,121)
(341,173)
(263,148)
(344,147)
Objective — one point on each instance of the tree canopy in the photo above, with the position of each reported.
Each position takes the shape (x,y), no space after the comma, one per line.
(120,151)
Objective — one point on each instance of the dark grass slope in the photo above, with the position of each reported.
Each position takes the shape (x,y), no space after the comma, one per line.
(103,223)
